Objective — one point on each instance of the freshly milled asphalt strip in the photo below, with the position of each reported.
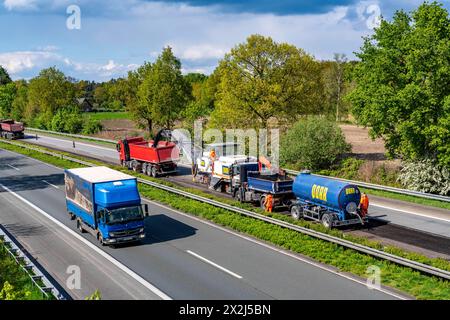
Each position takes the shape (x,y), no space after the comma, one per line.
(163,259)
(410,215)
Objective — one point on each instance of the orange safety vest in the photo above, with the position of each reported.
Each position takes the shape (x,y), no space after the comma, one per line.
(364,204)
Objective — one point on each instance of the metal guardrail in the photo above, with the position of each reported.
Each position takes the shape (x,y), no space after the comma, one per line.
(293,172)
(36,275)
(316,234)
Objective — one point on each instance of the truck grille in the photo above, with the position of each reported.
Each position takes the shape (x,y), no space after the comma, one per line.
(125,233)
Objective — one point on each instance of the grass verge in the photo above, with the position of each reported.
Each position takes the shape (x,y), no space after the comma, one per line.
(347,260)
(107,115)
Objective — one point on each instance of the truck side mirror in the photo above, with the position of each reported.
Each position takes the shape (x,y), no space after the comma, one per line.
(146,210)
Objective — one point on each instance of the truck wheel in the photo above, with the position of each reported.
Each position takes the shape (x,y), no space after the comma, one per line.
(100,239)
(80,226)
(261,203)
(327,220)
(72,216)
(154,172)
(296,213)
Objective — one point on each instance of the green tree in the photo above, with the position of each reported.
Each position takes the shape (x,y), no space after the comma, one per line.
(135,106)
(163,93)
(20,101)
(403,84)
(47,93)
(261,79)
(312,143)
(4,76)
(7,95)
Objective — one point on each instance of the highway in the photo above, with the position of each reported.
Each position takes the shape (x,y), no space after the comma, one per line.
(413,216)
(182,257)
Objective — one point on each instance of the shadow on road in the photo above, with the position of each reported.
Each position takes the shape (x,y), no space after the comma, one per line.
(161,228)
(22,182)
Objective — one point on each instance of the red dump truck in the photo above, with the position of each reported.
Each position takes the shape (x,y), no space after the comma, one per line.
(153,158)
(10,129)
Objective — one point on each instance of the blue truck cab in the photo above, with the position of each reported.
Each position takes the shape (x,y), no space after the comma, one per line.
(106,203)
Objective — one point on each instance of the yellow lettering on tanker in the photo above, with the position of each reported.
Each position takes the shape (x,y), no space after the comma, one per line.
(318,192)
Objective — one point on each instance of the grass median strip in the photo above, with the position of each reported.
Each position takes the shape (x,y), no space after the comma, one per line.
(347,260)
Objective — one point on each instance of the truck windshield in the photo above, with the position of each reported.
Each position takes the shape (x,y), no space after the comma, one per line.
(123,215)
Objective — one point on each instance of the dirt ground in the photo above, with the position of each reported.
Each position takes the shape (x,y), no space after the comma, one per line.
(363,147)
(117,129)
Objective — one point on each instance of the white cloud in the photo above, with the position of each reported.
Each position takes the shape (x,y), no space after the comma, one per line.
(16,62)
(19,4)
(200,52)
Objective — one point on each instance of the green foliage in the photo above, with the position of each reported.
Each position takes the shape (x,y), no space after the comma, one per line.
(7,95)
(67,120)
(163,93)
(20,101)
(260,80)
(403,84)
(48,93)
(95,296)
(426,176)
(92,127)
(312,143)
(4,76)
(14,282)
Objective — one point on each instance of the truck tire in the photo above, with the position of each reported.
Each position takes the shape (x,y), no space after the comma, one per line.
(100,239)
(80,226)
(327,220)
(262,200)
(296,213)
(154,172)
(71,215)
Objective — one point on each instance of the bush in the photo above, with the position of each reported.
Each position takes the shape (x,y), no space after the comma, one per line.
(92,126)
(312,143)
(426,176)
(67,120)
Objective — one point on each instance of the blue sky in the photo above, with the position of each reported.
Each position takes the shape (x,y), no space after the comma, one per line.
(118,35)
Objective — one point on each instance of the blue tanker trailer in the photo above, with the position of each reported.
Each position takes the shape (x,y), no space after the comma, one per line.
(332,202)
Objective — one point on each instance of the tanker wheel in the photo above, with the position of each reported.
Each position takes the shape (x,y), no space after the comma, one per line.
(296,213)
(327,220)
(154,172)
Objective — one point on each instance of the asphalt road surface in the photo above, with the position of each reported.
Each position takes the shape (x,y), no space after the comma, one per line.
(181,258)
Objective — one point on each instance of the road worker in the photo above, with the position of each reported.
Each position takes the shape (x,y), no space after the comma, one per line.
(364,204)
(268,203)
(212,154)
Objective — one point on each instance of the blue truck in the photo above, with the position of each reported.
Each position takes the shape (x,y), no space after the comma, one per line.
(332,202)
(105,203)
(250,184)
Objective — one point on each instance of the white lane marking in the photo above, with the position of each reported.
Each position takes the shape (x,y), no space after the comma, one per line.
(267,246)
(214,264)
(17,169)
(124,268)
(411,212)
(50,184)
